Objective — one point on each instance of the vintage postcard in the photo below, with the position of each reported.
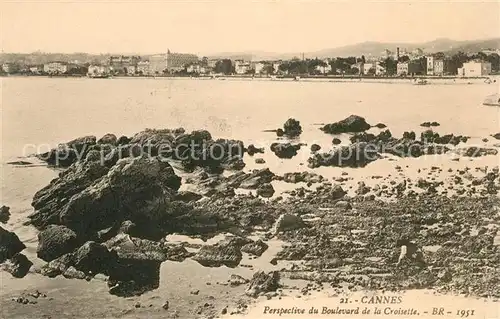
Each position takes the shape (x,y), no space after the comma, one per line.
(250,159)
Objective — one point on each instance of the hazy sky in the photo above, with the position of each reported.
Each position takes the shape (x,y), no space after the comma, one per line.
(235,25)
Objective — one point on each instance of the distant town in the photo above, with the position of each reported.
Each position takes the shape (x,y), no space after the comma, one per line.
(395,63)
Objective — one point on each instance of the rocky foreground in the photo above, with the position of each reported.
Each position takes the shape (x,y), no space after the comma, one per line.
(110,210)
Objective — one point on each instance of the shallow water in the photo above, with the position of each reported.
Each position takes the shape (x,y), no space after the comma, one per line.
(41,112)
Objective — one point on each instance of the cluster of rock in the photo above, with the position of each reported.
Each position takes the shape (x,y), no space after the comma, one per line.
(193,149)
(367,147)
(429,124)
(351,124)
(228,252)
(112,216)
(362,241)
(430,136)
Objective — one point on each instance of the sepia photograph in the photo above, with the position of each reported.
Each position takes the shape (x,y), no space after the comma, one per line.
(249,159)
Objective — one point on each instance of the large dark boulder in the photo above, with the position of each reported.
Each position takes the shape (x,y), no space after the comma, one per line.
(226,252)
(187,196)
(88,260)
(137,269)
(250,180)
(93,258)
(256,248)
(285,150)
(68,153)
(9,245)
(18,265)
(108,139)
(352,124)
(292,128)
(49,201)
(57,266)
(138,189)
(55,241)
(88,198)
(154,141)
(265,190)
(262,283)
(354,155)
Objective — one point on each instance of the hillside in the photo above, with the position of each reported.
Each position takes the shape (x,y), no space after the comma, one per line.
(368,49)
(375,49)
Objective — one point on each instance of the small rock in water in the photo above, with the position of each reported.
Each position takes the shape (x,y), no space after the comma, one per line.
(260,161)
(265,190)
(165,305)
(195,292)
(237,280)
(20,163)
(292,128)
(336,141)
(4,214)
(262,283)
(315,148)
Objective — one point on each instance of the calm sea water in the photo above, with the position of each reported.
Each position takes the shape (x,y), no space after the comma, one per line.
(37,112)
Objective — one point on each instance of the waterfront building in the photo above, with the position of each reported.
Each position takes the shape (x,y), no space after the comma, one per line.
(36,69)
(258,67)
(131,69)
(368,68)
(123,60)
(123,64)
(10,67)
(177,61)
(402,68)
(142,68)
(212,63)
(325,69)
(430,65)
(55,67)
(474,69)
(438,67)
(157,64)
(196,68)
(98,70)
(242,67)
(170,62)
